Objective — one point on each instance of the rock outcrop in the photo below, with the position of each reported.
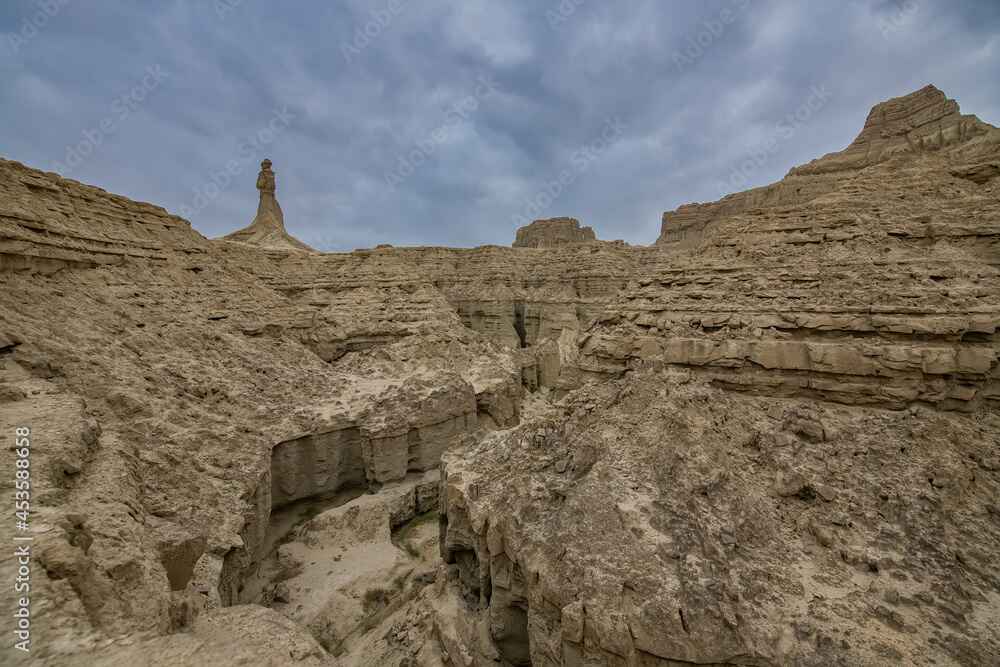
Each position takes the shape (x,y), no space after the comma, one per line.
(552,233)
(768,439)
(659,521)
(516,297)
(161,370)
(920,123)
(268,227)
(876,283)
(49,223)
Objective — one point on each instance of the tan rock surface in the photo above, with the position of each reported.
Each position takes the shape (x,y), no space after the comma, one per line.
(882,289)
(914,125)
(553,232)
(787,452)
(268,227)
(659,521)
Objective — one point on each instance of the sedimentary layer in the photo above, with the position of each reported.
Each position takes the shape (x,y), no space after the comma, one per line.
(881,286)
(701,526)
(553,232)
(787,452)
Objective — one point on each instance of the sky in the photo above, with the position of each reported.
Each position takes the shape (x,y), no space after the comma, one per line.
(452,122)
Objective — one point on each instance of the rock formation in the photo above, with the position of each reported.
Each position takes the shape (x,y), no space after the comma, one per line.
(268,228)
(921,122)
(769,439)
(552,233)
(49,223)
(914,125)
(659,520)
(881,290)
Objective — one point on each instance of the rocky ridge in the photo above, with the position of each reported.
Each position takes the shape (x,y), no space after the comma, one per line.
(786,409)
(923,122)
(699,526)
(882,289)
(552,233)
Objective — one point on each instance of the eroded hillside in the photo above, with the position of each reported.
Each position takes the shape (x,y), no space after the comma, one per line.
(771,438)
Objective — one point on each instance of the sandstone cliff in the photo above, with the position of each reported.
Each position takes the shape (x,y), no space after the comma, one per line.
(552,233)
(49,223)
(699,526)
(882,289)
(922,122)
(268,227)
(769,439)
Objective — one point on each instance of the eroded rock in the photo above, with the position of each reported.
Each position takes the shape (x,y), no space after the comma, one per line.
(768,439)
(553,232)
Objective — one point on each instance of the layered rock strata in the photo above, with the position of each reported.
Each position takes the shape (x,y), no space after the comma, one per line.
(516,297)
(157,385)
(660,521)
(762,508)
(553,232)
(48,223)
(882,289)
(917,124)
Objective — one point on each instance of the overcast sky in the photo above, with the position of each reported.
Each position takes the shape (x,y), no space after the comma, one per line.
(449,122)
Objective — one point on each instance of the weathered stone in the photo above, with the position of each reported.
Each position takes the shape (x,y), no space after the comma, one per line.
(672,454)
(552,233)
(268,228)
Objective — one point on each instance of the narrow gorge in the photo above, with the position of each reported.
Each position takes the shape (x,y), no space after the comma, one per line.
(772,437)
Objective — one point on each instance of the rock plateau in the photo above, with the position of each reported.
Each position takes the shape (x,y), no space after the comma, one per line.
(552,233)
(770,438)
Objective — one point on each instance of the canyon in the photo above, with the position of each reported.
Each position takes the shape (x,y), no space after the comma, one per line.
(772,437)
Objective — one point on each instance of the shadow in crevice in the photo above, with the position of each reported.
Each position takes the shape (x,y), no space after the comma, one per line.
(519,324)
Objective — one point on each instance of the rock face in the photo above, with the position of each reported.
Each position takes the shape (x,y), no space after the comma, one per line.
(769,439)
(921,122)
(552,233)
(659,521)
(915,125)
(49,223)
(268,228)
(868,276)
(354,542)
(164,377)
(515,297)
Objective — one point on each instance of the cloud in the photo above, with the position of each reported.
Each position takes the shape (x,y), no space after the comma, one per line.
(745,65)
